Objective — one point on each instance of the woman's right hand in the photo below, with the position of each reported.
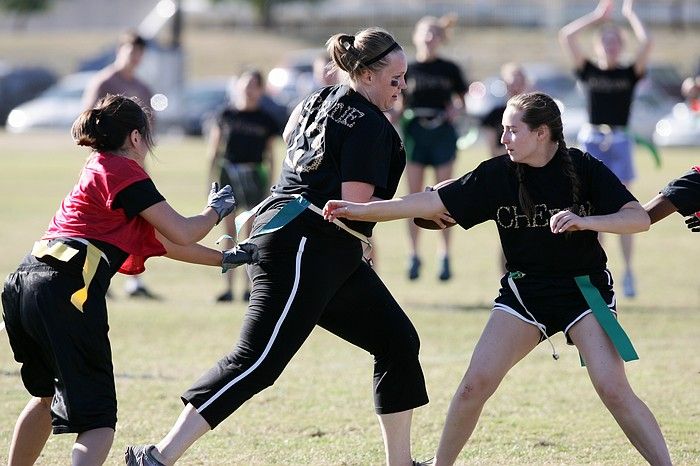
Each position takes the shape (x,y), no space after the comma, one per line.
(342,209)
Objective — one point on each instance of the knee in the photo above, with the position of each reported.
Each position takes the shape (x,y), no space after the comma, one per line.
(614,394)
(405,346)
(475,388)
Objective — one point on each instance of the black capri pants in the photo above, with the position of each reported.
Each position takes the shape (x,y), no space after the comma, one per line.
(312,273)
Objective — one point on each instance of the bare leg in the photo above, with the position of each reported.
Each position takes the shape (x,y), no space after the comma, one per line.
(92,447)
(626,244)
(186,430)
(31,432)
(504,341)
(415,173)
(607,372)
(396,432)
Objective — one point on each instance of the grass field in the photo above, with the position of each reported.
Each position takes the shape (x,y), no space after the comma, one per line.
(320,411)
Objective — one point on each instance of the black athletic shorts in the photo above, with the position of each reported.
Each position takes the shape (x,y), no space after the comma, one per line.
(64,353)
(556,303)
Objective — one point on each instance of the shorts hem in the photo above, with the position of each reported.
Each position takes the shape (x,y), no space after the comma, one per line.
(398,409)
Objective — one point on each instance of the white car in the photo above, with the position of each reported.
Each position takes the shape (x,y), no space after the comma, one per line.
(681,127)
(56,108)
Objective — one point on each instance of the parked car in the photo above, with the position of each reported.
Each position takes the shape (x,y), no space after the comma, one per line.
(292,79)
(55,108)
(20,84)
(202,99)
(681,127)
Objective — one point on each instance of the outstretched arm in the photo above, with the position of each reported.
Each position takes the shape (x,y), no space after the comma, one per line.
(642,35)
(569,34)
(659,208)
(425,205)
(631,218)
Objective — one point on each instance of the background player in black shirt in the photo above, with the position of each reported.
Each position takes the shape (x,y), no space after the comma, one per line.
(310,272)
(549,202)
(610,86)
(433,100)
(241,154)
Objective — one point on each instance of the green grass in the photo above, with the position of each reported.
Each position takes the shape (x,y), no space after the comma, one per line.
(320,411)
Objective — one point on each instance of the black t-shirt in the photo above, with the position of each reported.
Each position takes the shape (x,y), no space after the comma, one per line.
(341,137)
(432,84)
(684,193)
(609,93)
(490,192)
(244,134)
(493,120)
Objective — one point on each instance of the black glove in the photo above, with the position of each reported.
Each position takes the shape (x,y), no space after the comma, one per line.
(221,200)
(244,253)
(693,223)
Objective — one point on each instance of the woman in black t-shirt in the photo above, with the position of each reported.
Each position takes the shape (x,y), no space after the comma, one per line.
(310,272)
(610,89)
(681,195)
(241,154)
(433,100)
(549,202)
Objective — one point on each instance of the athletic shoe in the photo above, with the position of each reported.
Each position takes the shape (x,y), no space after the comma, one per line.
(414,268)
(225,297)
(423,463)
(140,455)
(628,285)
(141,292)
(445,272)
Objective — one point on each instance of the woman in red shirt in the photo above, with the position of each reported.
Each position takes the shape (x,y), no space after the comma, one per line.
(54,304)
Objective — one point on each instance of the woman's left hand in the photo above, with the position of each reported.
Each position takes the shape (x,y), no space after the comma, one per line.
(566,220)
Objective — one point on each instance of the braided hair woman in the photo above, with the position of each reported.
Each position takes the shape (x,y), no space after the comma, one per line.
(549,203)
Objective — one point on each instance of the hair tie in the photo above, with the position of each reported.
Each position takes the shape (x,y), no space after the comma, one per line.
(349,43)
(393,46)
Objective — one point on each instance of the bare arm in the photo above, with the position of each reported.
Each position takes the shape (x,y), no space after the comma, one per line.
(426,204)
(642,35)
(631,218)
(659,207)
(193,253)
(292,122)
(176,228)
(569,34)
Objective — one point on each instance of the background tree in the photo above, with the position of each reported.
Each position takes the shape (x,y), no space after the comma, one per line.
(23,9)
(263,9)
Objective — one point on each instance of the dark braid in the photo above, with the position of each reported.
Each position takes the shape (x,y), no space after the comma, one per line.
(540,109)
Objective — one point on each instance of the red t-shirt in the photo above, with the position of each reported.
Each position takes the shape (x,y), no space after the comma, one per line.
(86,212)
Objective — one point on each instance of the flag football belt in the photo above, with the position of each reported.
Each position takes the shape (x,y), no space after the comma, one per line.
(600,310)
(286,214)
(63,252)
